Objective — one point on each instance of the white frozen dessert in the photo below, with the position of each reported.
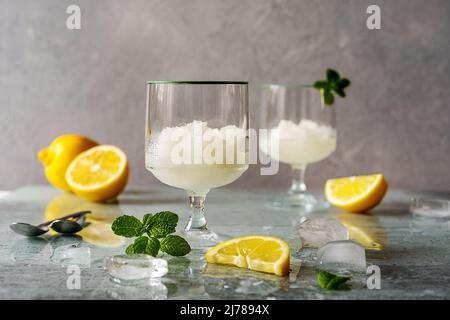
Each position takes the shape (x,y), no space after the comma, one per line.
(197,158)
(300,144)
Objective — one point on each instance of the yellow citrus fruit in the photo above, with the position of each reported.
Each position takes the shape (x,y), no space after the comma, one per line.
(356,194)
(365,229)
(98,174)
(255,252)
(57,157)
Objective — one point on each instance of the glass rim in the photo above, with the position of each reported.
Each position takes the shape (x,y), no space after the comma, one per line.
(194,82)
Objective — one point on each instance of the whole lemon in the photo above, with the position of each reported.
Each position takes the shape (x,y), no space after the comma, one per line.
(57,157)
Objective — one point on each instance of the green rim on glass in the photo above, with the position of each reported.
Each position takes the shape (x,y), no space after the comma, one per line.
(194,82)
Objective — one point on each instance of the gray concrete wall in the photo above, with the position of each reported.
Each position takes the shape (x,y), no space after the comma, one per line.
(396,119)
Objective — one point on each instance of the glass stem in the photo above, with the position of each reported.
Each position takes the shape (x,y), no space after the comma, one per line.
(197,221)
(298,180)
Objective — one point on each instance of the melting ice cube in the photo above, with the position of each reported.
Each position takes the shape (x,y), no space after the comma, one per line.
(72,254)
(430,208)
(342,257)
(316,232)
(135,267)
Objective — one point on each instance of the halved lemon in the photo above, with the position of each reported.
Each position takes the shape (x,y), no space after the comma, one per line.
(98,174)
(255,252)
(356,194)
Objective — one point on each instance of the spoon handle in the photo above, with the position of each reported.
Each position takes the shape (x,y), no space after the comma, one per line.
(73,215)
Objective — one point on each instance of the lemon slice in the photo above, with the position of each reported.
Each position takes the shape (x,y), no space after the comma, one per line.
(259,253)
(356,194)
(99,173)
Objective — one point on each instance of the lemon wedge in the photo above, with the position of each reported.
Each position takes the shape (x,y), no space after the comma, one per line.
(98,174)
(356,194)
(255,252)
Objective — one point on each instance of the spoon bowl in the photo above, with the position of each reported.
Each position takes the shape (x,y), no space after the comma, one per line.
(66,226)
(27,229)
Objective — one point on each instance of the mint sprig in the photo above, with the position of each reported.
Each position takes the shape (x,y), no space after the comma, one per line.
(332,83)
(327,280)
(158,229)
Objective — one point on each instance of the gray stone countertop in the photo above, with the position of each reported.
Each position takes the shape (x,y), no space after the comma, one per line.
(414,260)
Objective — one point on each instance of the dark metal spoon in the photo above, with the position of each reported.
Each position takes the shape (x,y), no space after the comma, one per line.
(69,226)
(29,230)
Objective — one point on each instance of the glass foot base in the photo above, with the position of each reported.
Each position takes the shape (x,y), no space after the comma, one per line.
(203,239)
(303,202)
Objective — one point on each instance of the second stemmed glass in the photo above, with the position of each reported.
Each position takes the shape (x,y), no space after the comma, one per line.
(196,140)
(304,129)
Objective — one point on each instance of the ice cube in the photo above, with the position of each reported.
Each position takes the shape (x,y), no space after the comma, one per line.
(431,208)
(316,232)
(342,257)
(134,267)
(72,254)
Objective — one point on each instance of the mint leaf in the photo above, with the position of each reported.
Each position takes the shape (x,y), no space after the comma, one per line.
(343,83)
(339,91)
(175,246)
(338,283)
(332,75)
(130,249)
(321,84)
(163,224)
(127,226)
(327,280)
(323,277)
(152,247)
(160,229)
(147,220)
(140,244)
(145,245)
(166,217)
